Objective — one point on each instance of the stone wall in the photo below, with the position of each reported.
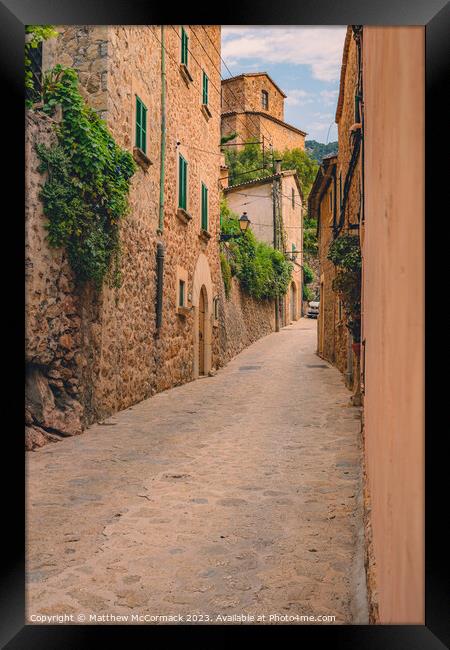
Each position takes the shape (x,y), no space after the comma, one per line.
(54,337)
(243,321)
(326,326)
(346,359)
(243,93)
(255,126)
(90,354)
(282,136)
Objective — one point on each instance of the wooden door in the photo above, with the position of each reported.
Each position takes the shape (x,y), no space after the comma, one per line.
(201,332)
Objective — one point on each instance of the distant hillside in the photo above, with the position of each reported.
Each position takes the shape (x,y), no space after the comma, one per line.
(318,150)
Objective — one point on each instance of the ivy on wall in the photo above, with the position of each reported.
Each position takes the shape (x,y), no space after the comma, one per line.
(85,194)
(345,253)
(35,35)
(263,272)
(308,277)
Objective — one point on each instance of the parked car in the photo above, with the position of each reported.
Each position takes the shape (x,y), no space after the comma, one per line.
(313,309)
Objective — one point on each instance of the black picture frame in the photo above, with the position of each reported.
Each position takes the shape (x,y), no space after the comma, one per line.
(14,14)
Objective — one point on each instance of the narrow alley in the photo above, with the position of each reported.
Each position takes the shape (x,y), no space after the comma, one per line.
(234,494)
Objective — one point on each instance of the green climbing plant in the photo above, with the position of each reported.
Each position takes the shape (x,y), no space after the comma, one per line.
(85,194)
(34,36)
(263,272)
(345,253)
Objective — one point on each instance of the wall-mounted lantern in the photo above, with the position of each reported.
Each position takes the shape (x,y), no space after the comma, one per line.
(244,223)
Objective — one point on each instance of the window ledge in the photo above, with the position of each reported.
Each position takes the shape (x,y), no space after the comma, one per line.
(183,216)
(141,158)
(186,74)
(205,235)
(206,112)
(183,310)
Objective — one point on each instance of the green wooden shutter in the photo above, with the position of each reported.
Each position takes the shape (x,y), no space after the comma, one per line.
(205,88)
(181,293)
(182,182)
(141,125)
(184,46)
(204,207)
(144,129)
(138,121)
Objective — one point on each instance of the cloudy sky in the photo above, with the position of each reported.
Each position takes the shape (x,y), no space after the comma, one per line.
(304,61)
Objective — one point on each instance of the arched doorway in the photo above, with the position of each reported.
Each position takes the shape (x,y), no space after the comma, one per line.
(293,301)
(202,301)
(202,311)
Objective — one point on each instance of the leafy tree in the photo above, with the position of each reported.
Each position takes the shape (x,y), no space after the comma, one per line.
(249,163)
(317,150)
(308,274)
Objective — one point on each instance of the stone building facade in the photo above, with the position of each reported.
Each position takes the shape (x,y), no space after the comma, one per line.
(259,194)
(253,107)
(336,201)
(93,353)
(321,205)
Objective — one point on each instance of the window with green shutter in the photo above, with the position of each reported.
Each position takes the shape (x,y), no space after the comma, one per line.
(204,207)
(205,87)
(184,46)
(181,293)
(182,183)
(141,125)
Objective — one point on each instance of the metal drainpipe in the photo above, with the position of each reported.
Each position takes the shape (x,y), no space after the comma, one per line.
(275,245)
(163,133)
(159,283)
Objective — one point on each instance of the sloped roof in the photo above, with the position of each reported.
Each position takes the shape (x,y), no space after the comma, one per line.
(340,103)
(267,179)
(255,74)
(268,117)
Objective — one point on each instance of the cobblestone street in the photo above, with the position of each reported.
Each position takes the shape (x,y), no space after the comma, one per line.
(237,493)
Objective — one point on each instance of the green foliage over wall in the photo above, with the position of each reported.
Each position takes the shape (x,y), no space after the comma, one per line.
(345,253)
(308,274)
(307,293)
(226,274)
(248,163)
(85,193)
(34,36)
(310,243)
(262,271)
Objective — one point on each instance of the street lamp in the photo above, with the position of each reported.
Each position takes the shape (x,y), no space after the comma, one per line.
(244,223)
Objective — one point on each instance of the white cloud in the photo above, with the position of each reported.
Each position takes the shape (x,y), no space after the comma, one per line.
(329,97)
(299,97)
(318,47)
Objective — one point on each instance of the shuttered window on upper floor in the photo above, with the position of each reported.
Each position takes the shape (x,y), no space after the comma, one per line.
(141,125)
(204,207)
(184,46)
(205,88)
(182,182)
